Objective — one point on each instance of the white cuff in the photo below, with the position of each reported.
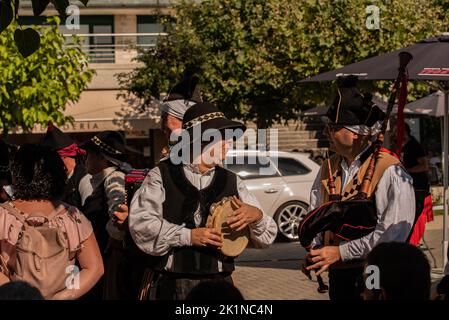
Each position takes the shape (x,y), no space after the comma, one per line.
(259,227)
(185,238)
(344,251)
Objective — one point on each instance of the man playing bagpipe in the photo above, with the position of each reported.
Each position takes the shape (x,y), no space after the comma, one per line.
(388,214)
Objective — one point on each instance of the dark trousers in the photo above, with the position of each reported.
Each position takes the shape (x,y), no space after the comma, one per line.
(112,263)
(167,286)
(346,284)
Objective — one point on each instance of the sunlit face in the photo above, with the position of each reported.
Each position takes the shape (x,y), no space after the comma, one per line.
(170,124)
(340,138)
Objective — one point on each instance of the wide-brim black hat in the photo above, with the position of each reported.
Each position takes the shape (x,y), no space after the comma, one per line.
(56,139)
(110,143)
(207,116)
(351,107)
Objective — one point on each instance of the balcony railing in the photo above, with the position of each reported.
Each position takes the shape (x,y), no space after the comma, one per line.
(118,48)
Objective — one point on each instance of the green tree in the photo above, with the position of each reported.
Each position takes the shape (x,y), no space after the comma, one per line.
(163,65)
(337,35)
(36,89)
(28,40)
(251,55)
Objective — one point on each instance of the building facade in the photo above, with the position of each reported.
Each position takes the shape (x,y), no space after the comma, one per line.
(110,31)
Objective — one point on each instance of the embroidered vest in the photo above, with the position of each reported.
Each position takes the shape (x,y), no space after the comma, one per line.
(353,187)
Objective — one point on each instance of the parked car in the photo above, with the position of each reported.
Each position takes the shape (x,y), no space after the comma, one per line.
(281,181)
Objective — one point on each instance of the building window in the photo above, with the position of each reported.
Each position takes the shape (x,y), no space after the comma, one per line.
(148,24)
(99,48)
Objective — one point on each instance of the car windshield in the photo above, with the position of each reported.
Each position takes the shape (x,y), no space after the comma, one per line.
(291,167)
(251,167)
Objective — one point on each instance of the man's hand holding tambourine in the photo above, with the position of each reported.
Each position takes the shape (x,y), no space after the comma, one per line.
(202,237)
(243,216)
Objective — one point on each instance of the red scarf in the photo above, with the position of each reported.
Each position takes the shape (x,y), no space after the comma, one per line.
(71,151)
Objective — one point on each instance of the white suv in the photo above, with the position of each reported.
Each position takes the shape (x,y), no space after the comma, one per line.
(281,181)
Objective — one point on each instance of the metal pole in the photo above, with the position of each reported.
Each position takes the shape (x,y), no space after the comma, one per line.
(445,175)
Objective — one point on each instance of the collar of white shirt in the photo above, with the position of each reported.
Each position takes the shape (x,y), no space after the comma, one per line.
(194,168)
(356,162)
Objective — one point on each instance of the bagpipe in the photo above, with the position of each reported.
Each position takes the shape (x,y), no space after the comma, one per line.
(355,217)
(133,180)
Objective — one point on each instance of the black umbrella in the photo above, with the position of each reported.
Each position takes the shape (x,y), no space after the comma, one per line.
(430,63)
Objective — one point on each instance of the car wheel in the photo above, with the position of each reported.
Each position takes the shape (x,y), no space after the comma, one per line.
(288,217)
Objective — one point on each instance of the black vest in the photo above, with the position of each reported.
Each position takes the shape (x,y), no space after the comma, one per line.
(182,200)
(71,192)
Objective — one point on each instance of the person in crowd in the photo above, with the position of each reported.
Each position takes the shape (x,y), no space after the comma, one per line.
(403,273)
(168,213)
(38,226)
(351,123)
(77,187)
(106,206)
(181,97)
(415,161)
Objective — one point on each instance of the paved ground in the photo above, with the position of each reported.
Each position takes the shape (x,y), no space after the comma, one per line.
(274,273)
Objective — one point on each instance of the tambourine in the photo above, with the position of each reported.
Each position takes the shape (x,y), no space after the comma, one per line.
(234,242)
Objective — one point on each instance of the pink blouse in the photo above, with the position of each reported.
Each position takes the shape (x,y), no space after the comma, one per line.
(77,228)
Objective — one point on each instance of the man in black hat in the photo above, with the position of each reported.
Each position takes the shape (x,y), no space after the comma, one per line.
(77,188)
(351,123)
(168,213)
(105,207)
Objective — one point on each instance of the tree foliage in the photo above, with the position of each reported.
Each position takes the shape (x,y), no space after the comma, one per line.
(250,55)
(28,40)
(36,89)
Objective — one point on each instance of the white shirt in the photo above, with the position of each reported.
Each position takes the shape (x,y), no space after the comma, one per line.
(156,236)
(395,203)
(85,187)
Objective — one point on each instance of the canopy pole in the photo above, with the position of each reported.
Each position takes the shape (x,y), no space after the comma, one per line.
(445,176)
